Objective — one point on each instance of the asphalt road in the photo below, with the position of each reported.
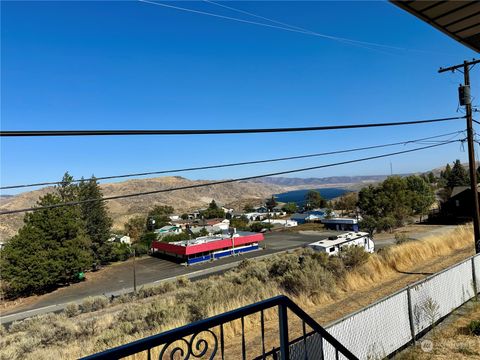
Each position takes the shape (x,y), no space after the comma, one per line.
(118,278)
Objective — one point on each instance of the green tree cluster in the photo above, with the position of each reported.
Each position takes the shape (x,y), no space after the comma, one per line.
(158,217)
(314,200)
(290,208)
(454,176)
(57,243)
(389,204)
(213,211)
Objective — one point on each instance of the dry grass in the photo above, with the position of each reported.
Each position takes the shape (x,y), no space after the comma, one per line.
(450,341)
(312,280)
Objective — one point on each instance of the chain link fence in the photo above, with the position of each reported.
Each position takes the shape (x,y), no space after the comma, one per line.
(387,325)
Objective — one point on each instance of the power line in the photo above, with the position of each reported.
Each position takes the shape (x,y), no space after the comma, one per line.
(307,31)
(455,133)
(21,133)
(72,203)
(284,26)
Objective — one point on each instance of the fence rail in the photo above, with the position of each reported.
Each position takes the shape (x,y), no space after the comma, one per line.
(384,327)
(205,338)
(375,331)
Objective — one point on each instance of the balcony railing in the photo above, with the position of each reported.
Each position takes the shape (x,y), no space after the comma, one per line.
(205,339)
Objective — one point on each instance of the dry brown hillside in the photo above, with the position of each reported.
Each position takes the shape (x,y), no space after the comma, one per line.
(122,209)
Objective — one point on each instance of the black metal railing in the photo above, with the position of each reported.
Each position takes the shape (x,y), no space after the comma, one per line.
(205,338)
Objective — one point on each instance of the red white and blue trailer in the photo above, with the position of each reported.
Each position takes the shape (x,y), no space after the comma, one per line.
(207,248)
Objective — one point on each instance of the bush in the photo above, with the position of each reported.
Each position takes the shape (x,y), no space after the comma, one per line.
(88,327)
(120,252)
(336,266)
(282,265)
(353,256)
(310,282)
(94,304)
(71,310)
(401,238)
(474,327)
(259,226)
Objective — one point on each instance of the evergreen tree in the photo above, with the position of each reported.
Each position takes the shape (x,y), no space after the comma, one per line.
(213,211)
(97,221)
(271,203)
(458,176)
(50,249)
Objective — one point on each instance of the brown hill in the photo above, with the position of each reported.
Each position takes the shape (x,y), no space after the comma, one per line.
(122,209)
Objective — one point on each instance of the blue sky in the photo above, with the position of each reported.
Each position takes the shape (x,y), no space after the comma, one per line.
(132,65)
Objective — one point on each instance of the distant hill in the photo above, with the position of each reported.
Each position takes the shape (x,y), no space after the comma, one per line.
(326,181)
(122,209)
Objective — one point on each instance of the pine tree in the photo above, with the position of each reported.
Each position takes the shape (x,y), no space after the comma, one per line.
(458,176)
(97,221)
(50,249)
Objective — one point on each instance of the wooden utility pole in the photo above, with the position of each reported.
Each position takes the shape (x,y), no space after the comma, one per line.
(466,98)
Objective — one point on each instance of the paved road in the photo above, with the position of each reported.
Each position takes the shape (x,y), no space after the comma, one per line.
(118,279)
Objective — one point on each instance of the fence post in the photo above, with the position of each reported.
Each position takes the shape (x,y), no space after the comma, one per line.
(283,327)
(474,279)
(410,314)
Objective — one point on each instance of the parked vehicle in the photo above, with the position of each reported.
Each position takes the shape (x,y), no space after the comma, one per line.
(334,244)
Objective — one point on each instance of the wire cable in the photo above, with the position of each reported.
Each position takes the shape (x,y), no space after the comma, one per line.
(195,186)
(284,26)
(25,133)
(207,167)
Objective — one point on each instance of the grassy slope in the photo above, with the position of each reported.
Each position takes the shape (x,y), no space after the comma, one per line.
(325,290)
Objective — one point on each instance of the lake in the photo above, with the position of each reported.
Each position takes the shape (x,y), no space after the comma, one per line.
(298,196)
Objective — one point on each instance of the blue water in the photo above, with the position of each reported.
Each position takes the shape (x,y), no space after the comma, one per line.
(298,196)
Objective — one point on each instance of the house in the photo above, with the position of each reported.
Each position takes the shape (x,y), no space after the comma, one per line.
(343,224)
(261,209)
(256,216)
(460,203)
(168,230)
(304,218)
(282,222)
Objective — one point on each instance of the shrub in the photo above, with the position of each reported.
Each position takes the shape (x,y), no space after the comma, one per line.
(353,256)
(311,282)
(88,327)
(474,327)
(401,238)
(182,282)
(336,266)
(59,332)
(94,304)
(71,310)
(282,265)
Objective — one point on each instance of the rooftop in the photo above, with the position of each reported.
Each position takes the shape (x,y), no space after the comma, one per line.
(340,239)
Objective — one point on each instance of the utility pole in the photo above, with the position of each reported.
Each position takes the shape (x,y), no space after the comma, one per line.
(465,99)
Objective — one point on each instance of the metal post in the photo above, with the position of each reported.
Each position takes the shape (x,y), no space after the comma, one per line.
(471,149)
(474,279)
(283,327)
(134,274)
(410,315)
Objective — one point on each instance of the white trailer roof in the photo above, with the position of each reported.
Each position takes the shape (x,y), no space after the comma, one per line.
(343,238)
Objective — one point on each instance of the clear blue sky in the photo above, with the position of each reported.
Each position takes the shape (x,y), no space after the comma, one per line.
(132,65)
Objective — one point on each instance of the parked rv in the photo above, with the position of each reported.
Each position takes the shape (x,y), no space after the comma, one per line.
(334,244)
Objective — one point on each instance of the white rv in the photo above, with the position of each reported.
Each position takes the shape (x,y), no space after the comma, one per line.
(334,244)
